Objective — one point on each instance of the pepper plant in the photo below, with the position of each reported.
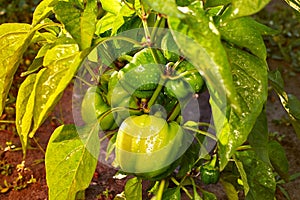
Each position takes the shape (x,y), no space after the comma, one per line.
(137,66)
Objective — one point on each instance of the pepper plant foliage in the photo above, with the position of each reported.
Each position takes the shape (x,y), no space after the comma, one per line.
(231,58)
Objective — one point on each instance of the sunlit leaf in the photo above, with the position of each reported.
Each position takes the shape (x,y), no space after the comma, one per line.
(251,83)
(294,4)
(75,160)
(14,40)
(79,21)
(43,9)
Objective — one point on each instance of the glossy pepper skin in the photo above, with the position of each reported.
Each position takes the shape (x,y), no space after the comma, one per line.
(147,145)
(93,106)
(189,81)
(141,76)
(119,98)
(210,173)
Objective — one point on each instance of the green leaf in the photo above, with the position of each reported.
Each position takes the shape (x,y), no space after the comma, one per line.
(208,195)
(14,40)
(259,175)
(259,137)
(133,189)
(278,159)
(167,7)
(245,32)
(42,10)
(294,4)
(48,88)
(24,109)
(203,48)
(71,160)
(243,174)
(230,191)
(112,6)
(294,106)
(289,102)
(241,8)
(113,21)
(79,21)
(51,85)
(213,3)
(251,83)
(172,193)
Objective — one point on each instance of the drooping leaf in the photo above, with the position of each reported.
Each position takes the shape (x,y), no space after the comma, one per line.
(245,32)
(71,160)
(251,83)
(259,175)
(52,83)
(43,9)
(133,189)
(202,46)
(259,137)
(288,101)
(78,20)
(294,4)
(14,40)
(24,108)
(278,159)
(168,7)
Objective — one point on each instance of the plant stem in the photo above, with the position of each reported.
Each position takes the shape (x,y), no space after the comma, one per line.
(8,121)
(182,187)
(161,189)
(201,132)
(174,113)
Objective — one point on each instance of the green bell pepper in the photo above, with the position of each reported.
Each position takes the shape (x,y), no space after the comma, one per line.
(147,145)
(209,172)
(93,106)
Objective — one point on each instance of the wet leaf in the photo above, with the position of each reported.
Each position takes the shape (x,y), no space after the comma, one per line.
(245,32)
(14,40)
(133,189)
(213,3)
(203,48)
(75,160)
(251,83)
(259,175)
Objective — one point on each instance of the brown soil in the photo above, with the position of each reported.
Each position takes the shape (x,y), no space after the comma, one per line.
(103,185)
